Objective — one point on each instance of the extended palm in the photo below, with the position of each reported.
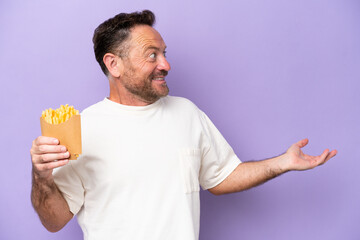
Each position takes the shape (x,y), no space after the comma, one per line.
(301,161)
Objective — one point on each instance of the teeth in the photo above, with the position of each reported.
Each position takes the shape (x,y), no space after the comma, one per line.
(158,78)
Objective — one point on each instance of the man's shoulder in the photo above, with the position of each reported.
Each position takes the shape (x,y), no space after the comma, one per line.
(94,108)
(182,108)
(179,102)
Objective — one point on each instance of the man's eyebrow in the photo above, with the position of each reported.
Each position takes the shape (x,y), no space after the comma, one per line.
(155,48)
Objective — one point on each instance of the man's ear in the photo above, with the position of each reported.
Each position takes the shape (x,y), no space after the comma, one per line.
(114,64)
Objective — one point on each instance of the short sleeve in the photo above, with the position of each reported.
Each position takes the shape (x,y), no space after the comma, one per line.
(70,185)
(218,158)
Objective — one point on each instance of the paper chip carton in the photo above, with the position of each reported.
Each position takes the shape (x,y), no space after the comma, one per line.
(68,133)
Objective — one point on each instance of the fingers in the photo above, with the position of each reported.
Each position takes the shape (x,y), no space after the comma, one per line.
(330,155)
(43,145)
(51,165)
(50,157)
(47,154)
(42,140)
(326,155)
(43,149)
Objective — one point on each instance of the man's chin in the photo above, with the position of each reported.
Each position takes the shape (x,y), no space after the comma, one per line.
(162,90)
(165,93)
(156,95)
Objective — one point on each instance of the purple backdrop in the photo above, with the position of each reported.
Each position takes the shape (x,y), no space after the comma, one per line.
(268,73)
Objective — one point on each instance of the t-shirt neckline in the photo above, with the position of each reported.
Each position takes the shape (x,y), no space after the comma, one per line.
(120,106)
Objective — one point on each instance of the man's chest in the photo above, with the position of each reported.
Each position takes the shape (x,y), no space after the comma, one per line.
(137,153)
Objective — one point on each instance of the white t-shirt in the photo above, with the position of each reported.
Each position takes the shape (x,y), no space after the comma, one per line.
(139,175)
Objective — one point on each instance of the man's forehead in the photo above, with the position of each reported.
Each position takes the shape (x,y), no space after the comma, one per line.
(146,36)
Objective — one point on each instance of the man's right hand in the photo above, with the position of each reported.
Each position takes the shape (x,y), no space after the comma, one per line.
(47,154)
(49,203)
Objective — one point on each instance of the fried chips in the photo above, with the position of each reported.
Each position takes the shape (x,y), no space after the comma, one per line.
(60,115)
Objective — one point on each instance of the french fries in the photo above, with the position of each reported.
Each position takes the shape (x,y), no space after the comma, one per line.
(60,115)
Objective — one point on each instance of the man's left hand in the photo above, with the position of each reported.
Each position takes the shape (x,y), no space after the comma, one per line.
(295,159)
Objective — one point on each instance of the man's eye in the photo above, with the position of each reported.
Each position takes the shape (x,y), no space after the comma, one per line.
(153,55)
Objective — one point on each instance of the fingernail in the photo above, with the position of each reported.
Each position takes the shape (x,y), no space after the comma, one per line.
(55,141)
(63,149)
(67,154)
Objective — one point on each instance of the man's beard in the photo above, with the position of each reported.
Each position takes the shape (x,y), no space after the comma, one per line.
(144,89)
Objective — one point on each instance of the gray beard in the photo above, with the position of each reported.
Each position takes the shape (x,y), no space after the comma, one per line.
(146,92)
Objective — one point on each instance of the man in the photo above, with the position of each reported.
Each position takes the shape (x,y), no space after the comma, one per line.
(144,153)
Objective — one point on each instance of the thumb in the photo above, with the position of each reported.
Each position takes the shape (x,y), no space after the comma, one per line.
(302,143)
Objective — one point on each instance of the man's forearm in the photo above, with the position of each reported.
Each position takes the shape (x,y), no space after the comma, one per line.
(250,174)
(49,203)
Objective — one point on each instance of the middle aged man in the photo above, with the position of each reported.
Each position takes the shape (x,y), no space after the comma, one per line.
(144,153)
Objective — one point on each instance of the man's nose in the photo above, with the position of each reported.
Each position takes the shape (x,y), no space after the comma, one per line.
(164,64)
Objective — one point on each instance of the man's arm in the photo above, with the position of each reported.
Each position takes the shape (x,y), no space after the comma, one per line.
(251,174)
(46,198)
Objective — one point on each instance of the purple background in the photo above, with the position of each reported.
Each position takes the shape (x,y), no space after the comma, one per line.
(268,73)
